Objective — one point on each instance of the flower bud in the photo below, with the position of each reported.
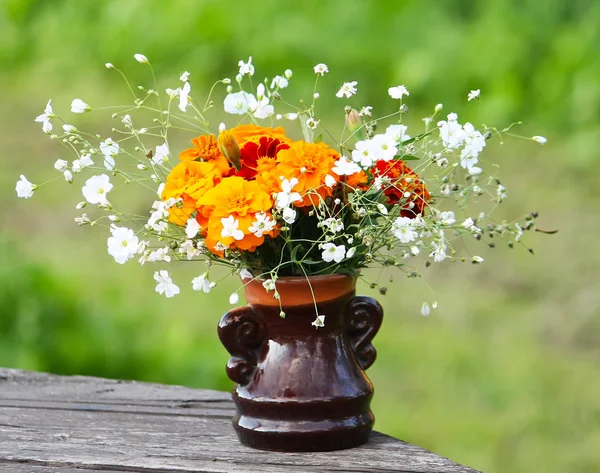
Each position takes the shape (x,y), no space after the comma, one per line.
(353,121)
(438,107)
(288,73)
(227,81)
(229,147)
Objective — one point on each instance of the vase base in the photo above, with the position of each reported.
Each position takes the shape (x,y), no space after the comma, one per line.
(308,436)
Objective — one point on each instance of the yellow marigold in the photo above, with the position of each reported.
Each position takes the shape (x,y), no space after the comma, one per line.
(244,133)
(206,148)
(189,181)
(311,164)
(240,200)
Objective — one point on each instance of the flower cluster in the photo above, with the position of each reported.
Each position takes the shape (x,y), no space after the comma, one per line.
(266,205)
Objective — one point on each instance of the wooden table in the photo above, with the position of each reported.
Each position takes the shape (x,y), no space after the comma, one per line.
(51,424)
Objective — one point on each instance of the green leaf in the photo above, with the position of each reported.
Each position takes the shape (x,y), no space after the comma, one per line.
(319,138)
(409,157)
(417,138)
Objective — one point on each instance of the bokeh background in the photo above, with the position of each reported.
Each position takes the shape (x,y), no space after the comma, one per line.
(504,376)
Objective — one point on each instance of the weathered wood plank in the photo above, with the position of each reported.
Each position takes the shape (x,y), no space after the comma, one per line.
(62,424)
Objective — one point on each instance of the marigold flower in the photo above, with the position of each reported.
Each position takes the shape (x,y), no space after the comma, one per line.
(189,181)
(259,160)
(237,199)
(244,133)
(406,188)
(310,163)
(206,148)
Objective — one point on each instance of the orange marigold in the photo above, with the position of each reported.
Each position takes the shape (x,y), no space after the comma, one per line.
(403,179)
(259,160)
(237,198)
(310,163)
(206,149)
(189,181)
(244,133)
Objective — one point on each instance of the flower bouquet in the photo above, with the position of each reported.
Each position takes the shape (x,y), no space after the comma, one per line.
(296,219)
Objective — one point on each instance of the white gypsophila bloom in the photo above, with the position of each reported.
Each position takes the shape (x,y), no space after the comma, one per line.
(279,82)
(126,120)
(382,209)
(69,129)
(172,93)
(83,220)
(425,310)
(162,254)
(162,154)
(60,165)
(384,147)
(201,283)
(366,111)
(80,205)
(263,224)
(24,188)
(239,103)
(398,92)
(291,116)
(220,247)
(350,253)
(192,227)
(188,248)
(404,230)
(79,106)
(319,321)
(68,175)
(245,274)
(246,67)
(96,188)
(539,139)
(263,109)
(345,167)
(451,132)
(321,69)
(439,107)
(331,252)
(312,124)
(289,215)
(445,189)
(230,228)
(441,161)
(477,259)
(446,218)
(160,189)
(439,248)
(184,77)
(474,144)
(474,94)
(157,220)
(165,284)
(288,74)
(414,250)
(141,58)
(234,298)
(316,95)
(269,285)
(287,196)
(45,118)
(397,133)
(348,89)
(123,244)
(108,65)
(334,225)
(330,180)
(109,149)
(469,224)
(501,192)
(114,218)
(184,96)
(364,153)
(381,182)
(474,171)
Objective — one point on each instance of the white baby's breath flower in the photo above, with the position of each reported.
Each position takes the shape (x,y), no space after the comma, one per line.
(68,175)
(382,209)
(83,220)
(398,92)
(332,252)
(234,298)
(425,310)
(60,165)
(141,58)
(348,89)
(397,133)
(269,285)
(289,215)
(288,74)
(230,228)
(246,67)
(330,181)
(539,139)
(45,118)
(501,192)
(96,188)
(321,69)
(365,111)
(123,244)
(184,77)
(192,228)
(439,249)
(109,149)
(446,218)
(162,254)
(319,321)
(451,132)
(263,108)
(188,248)
(334,225)
(291,116)
(165,284)
(279,82)
(69,129)
(79,106)
(162,154)
(184,96)
(345,167)
(350,253)
(439,107)
(108,65)
(201,283)
(312,123)
(239,103)
(263,224)
(24,188)
(364,153)
(316,95)
(477,259)
(474,94)
(245,274)
(403,229)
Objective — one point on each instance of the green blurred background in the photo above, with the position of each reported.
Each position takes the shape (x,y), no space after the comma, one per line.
(504,376)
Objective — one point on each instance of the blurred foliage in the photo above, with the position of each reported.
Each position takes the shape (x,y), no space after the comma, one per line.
(504,376)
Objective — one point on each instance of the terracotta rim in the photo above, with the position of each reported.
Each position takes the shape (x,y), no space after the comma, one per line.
(296,290)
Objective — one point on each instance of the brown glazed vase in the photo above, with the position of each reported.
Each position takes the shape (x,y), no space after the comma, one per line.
(301,388)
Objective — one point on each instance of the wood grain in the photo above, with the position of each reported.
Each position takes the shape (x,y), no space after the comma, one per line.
(51,424)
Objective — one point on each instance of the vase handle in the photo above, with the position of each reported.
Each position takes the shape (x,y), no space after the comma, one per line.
(242,333)
(363,319)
